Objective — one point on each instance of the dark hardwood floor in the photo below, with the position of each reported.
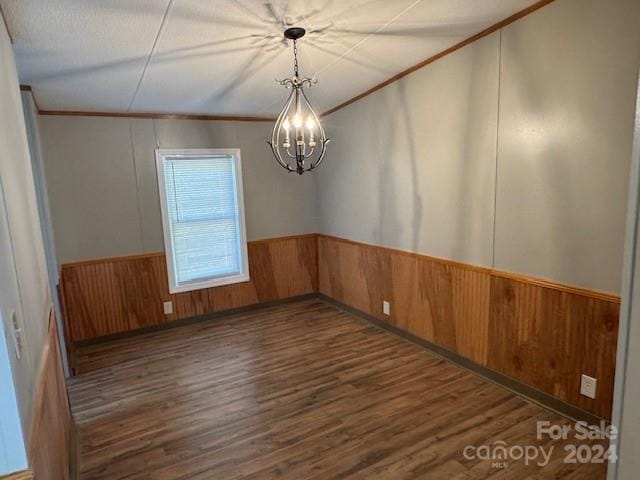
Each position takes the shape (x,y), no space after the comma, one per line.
(297,391)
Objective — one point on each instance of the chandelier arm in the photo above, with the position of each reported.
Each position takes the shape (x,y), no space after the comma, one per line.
(279,159)
(281,162)
(289,154)
(323,151)
(286,83)
(315,115)
(323,137)
(276,154)
(275,134)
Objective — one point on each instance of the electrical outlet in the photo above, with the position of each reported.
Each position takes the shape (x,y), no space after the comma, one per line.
(588,386)
(386,307)
(168,308)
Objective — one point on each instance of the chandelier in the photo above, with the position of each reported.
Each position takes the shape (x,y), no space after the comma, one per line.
(297,134)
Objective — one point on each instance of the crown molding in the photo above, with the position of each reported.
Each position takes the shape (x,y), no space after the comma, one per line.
(157,116)
(145,115)
(28,88)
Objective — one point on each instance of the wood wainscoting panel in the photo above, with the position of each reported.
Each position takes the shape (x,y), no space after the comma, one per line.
(105,297)
(49,447)
(116,295)
(548,338)
(355,274)
(543,334)
(439,302)
(279,268)
(470,312)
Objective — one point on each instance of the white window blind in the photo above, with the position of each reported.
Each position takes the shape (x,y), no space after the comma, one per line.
(203,217)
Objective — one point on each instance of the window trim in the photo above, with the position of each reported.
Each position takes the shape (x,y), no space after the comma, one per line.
(243,276)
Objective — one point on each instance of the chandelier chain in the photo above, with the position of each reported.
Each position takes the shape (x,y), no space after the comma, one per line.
(295,58)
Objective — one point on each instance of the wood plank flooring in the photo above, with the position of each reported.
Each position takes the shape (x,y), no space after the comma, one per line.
(296,391)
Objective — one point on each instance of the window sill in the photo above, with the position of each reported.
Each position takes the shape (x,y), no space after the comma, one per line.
(209,283)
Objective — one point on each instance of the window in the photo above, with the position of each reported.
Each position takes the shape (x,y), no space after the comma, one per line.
(202,217)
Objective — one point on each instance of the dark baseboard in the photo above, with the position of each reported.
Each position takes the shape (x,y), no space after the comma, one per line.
(528,392)
(74,451)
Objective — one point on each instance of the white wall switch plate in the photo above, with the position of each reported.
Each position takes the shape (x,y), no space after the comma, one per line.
(386,307)
(168,308)
(588,386)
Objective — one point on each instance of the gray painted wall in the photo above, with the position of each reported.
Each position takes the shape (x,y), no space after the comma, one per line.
(412,166)
(567,91)
(512,152)
(23,275)
(101,179)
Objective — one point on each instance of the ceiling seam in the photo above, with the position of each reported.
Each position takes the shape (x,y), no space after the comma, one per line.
(352,48)
(495,178)
(137,185)
(151,52)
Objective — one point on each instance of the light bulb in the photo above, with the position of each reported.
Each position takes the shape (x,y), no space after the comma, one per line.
(286,127)
(310,123)
(297,121)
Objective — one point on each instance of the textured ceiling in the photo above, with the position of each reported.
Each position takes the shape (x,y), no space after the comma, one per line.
(221,57)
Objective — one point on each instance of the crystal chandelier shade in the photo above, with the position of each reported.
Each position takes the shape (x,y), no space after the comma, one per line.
(298,137)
